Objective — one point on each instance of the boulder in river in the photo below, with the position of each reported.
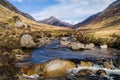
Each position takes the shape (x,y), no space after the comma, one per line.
(76,46)
(27,41)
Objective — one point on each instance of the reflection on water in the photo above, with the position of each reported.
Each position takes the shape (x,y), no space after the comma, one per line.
(54,50)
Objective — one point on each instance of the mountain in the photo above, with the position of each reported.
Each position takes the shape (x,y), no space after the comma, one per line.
(87,21)
(8,5)
(54,21)
(108,18)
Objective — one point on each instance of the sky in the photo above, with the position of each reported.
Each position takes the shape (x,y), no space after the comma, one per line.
(72,11)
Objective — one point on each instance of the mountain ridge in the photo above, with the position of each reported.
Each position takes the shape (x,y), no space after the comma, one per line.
(110,15)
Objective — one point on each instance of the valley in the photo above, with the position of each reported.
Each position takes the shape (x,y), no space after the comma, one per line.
(52,49)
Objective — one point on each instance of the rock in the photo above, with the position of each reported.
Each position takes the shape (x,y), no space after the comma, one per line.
(101,73)
(51,69)
(85,72)
(19,24)
(76,46)
(64,43)
(27,41)
(103,46)
(89,46)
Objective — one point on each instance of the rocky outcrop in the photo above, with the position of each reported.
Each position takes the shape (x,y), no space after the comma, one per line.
(27,41)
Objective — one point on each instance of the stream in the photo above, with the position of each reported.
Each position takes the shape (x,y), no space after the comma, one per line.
(55,51)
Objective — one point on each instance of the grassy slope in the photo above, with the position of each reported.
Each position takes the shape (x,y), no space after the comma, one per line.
(6,14)
(106,23)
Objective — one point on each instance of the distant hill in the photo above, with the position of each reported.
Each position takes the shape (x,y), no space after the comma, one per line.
(109,18)
(54,21)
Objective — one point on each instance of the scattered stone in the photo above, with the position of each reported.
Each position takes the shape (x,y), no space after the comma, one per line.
(27,41)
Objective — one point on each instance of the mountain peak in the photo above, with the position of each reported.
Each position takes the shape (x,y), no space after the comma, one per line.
(54,21)
(52,17)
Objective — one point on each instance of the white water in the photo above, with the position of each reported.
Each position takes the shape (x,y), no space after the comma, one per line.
(94,69)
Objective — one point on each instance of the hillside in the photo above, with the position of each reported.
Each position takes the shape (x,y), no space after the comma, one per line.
(107,19)
(8,5)
(54,21)
(7,11)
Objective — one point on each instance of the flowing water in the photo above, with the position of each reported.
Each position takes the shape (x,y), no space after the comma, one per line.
(97,59)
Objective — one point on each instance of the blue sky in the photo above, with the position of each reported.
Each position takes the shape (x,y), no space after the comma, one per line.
(71,11)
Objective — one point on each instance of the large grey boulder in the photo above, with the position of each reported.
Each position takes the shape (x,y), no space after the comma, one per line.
(89,46)
(27,41)
(76,46)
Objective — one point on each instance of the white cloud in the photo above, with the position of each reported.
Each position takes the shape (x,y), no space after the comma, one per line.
(18,0)
(73,10)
